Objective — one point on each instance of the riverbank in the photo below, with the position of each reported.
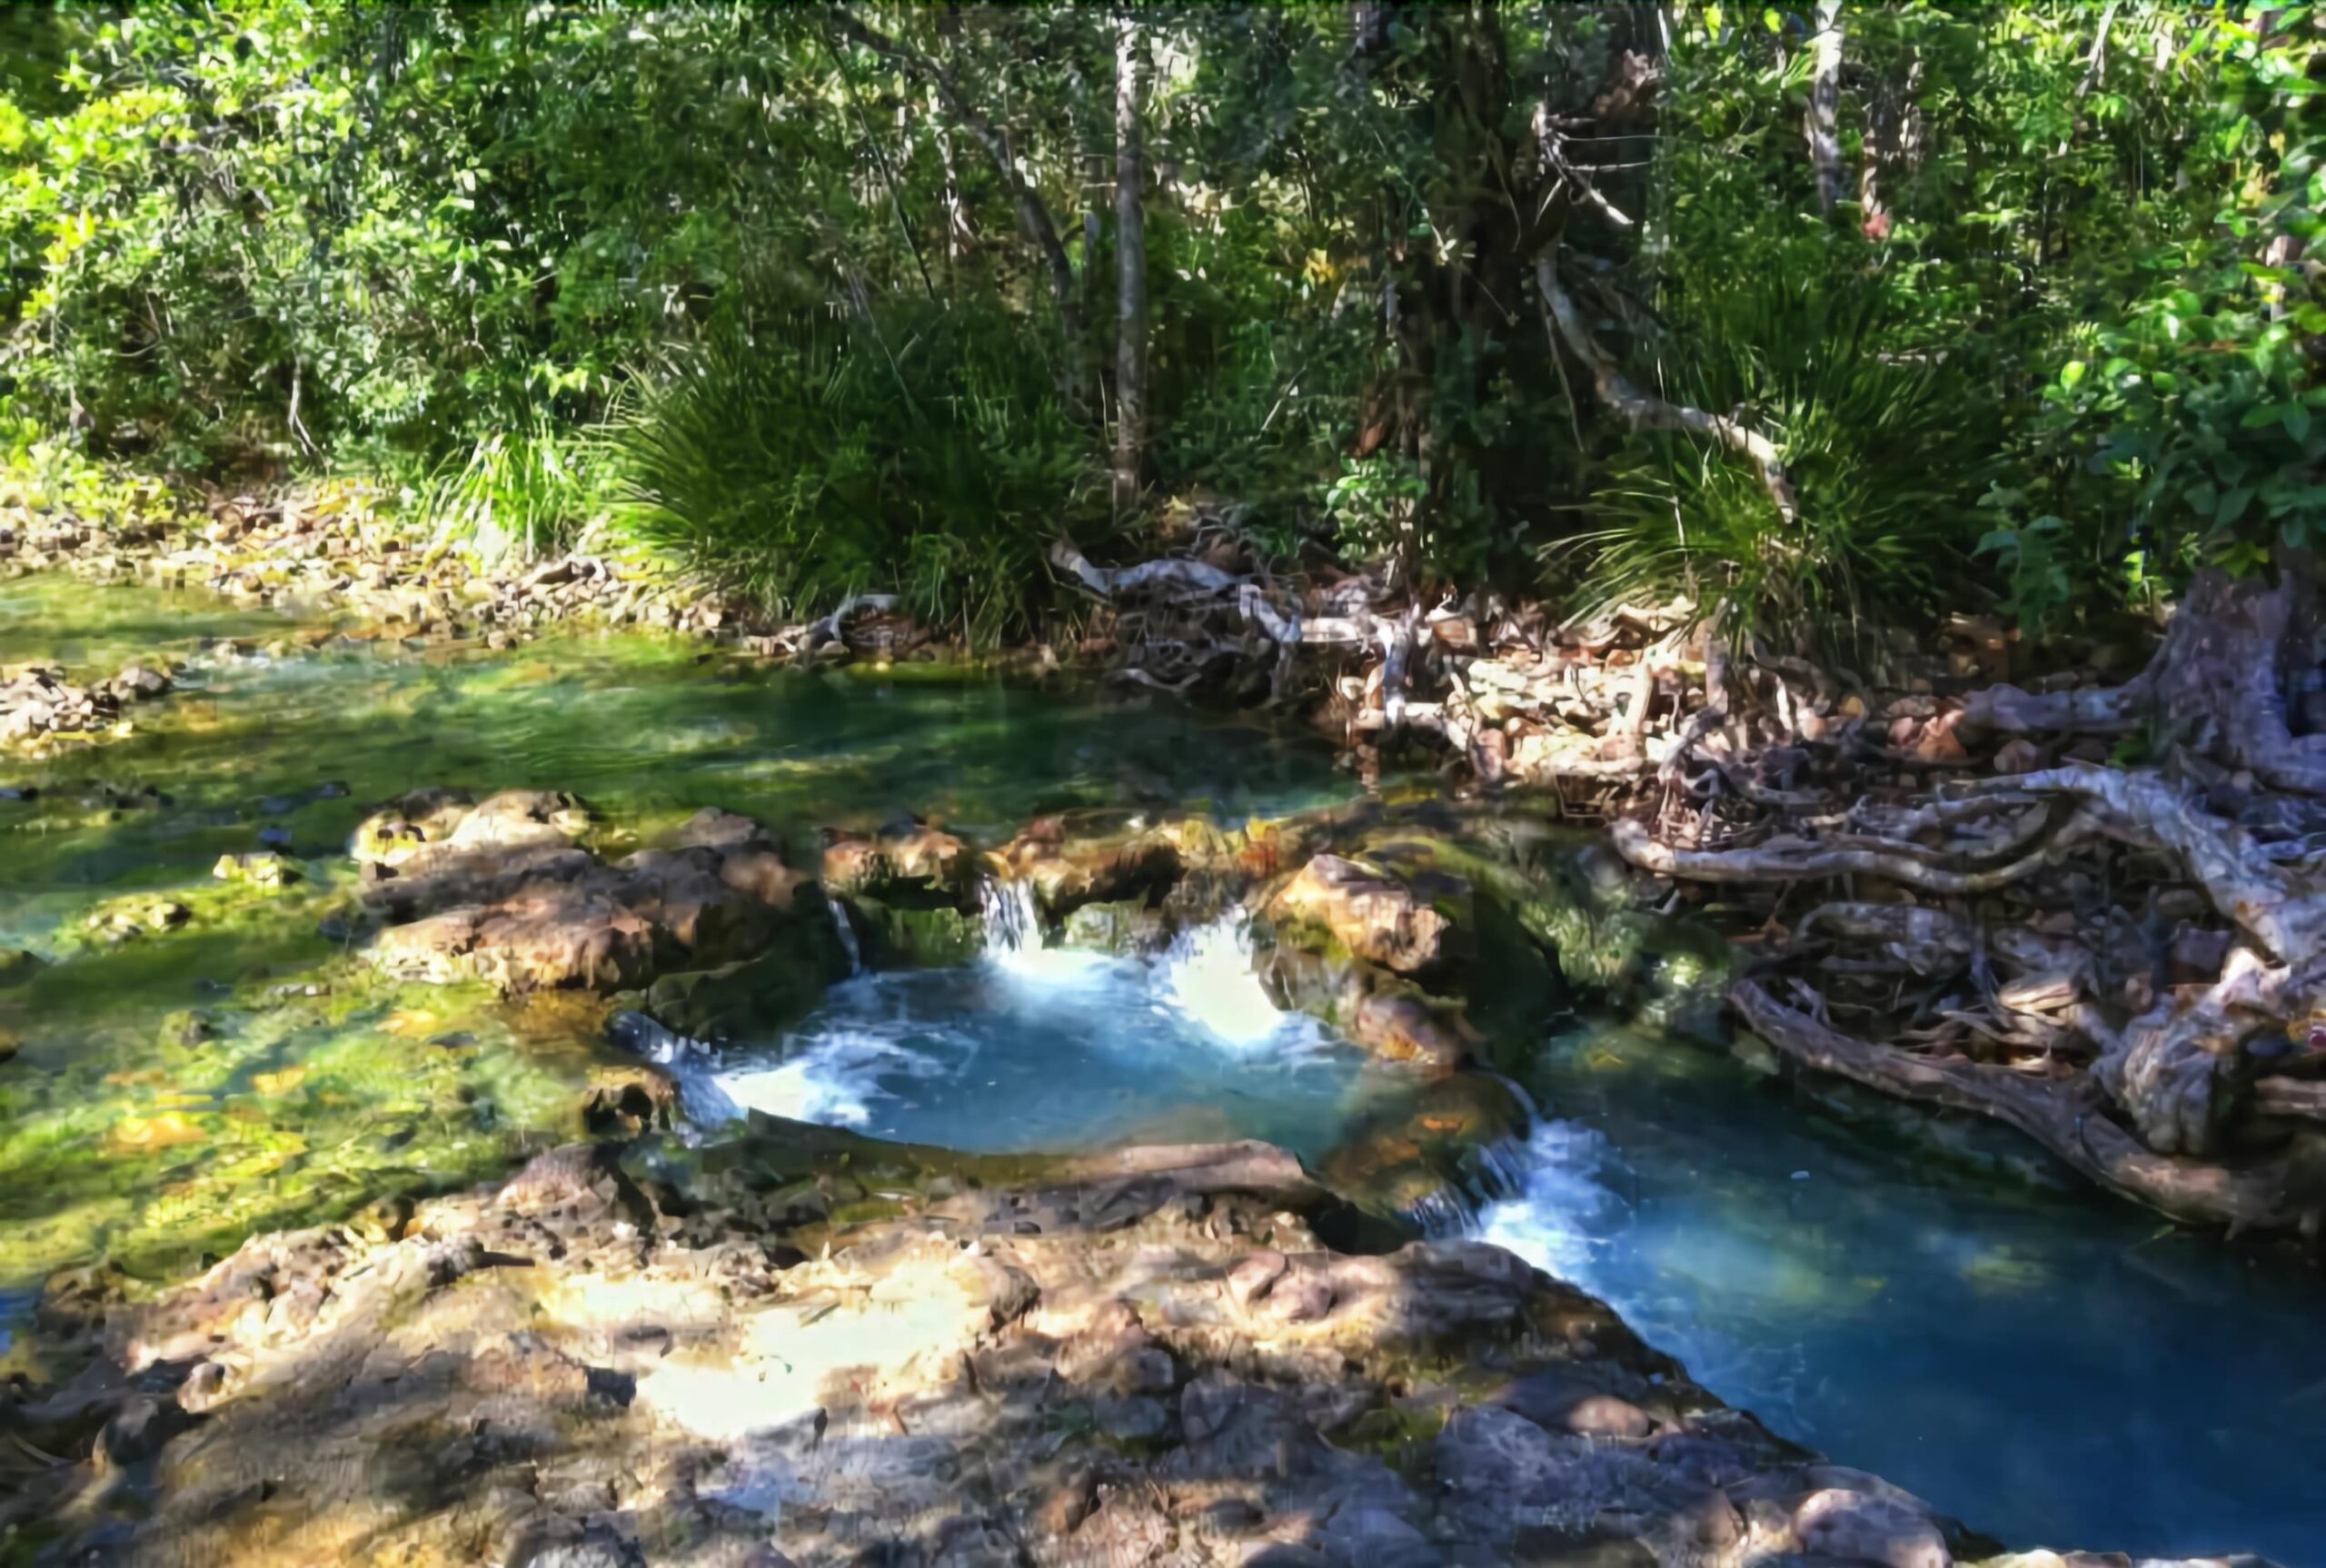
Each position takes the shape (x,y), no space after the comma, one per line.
(805,1344)
(2159,975)
(245,1071)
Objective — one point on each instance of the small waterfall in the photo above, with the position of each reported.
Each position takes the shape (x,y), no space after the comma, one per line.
(1209,977)
(1005,908)
(1559,1212)
(1446,1212)
(848,942)
(1463,1205)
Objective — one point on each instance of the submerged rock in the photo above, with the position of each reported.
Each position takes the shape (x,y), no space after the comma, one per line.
(261,868)
(40,708)
(675,1356)
(125,919)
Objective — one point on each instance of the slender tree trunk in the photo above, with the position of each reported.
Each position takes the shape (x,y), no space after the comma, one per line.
(1130,260)
(1033,216)
(1893,146)
(1825,105)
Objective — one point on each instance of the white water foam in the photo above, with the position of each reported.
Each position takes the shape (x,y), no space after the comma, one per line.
(1208,978)
(1015,946)
(1563,1216)
(836,1081)
(1566,1219)
(899,1054)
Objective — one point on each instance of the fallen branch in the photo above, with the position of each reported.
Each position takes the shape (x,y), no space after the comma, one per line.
(1644,410)
(1191,578)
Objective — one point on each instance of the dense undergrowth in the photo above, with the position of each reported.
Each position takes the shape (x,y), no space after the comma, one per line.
(825,303)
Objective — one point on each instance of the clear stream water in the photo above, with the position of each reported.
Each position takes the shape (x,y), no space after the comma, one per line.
(2050,1365)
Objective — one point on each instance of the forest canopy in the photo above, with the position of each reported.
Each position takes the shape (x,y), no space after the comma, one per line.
(1825,316)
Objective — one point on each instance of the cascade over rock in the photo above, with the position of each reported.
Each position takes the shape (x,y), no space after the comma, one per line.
(662,1356)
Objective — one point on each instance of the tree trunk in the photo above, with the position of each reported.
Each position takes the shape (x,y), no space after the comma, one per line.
(1033,216)
(1824,107)
(2237,664)
(1130,260)
(2237,680)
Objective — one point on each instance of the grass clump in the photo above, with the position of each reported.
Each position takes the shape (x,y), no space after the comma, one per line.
(1883,440)
(799,459)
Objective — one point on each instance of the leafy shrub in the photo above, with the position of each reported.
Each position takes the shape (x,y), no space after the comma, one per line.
(1887,449)
(802,459)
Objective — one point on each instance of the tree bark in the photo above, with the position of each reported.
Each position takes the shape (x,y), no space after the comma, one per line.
(2238,647)
(1130,260)
(2238,655)
(1824,107)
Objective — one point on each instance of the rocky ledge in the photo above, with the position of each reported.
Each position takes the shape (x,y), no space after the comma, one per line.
(331,548)
(806,1346)
(503,890)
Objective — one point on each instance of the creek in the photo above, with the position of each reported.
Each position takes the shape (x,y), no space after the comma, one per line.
(2050,1365)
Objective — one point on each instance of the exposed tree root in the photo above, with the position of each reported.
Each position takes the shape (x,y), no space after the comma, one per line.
(2218,684)
(2244,885)
(1803,861)
(2026,966)
(2128,964)
(2060,1112)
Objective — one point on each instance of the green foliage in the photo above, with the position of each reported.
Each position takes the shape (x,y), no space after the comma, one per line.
(802,459)
(2037,558)
(443,239)
(2204,396)
(1886,454)
(528,493)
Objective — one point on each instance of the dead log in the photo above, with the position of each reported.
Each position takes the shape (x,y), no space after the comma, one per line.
(1188,579)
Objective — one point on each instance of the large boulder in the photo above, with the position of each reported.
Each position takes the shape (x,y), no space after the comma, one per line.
(1373,915)
(906,862)
(499,892)
(844,1350)
(1105,858)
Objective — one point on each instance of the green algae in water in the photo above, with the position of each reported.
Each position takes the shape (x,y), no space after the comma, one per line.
(176,1090)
